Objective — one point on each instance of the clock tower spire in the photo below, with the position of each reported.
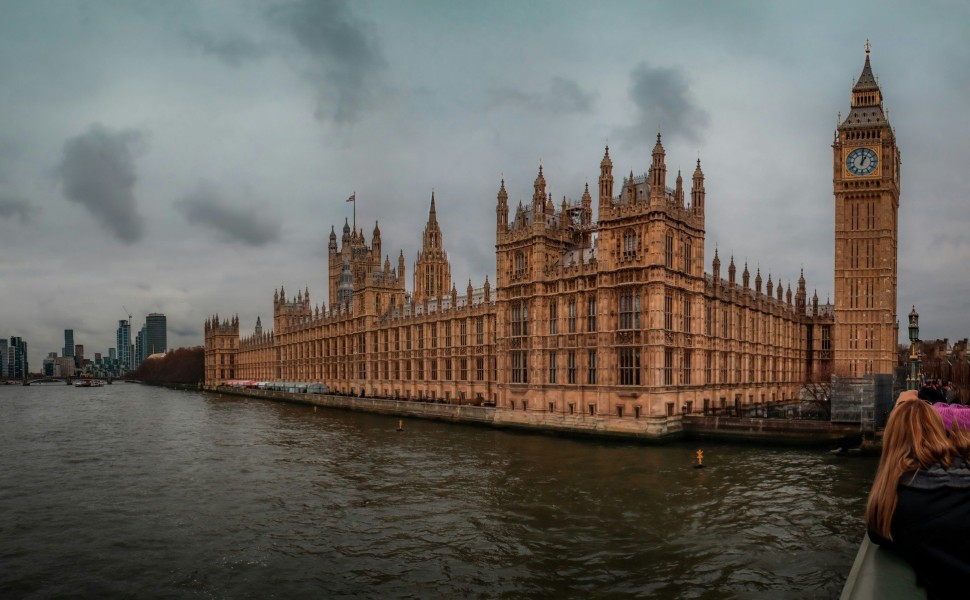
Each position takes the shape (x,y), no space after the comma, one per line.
(866,188)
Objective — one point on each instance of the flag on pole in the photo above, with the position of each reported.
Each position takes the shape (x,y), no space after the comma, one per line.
(353,197)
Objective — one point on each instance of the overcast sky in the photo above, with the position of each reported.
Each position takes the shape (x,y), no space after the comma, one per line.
(188,157)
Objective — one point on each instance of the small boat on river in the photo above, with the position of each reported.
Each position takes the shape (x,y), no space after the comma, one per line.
(88,383)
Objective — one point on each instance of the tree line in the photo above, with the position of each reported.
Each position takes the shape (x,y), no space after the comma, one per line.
(184,365)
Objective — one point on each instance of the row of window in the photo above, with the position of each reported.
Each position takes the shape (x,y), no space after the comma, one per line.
(732,367)
(733,323)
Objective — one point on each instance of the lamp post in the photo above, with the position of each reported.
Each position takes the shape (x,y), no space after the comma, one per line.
(913,381)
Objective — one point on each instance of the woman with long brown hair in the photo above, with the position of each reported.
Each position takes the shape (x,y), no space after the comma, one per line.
(919,505)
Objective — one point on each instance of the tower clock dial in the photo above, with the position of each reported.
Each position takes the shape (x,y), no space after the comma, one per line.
(861,161)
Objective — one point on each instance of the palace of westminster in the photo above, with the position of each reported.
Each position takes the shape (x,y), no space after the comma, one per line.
(613,316)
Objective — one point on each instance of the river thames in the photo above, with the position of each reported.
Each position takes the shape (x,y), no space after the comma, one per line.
(135,491)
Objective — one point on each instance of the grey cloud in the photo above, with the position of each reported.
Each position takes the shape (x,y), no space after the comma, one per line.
(562,96)
(98,172)
(205,207)
(233,50)
(346,58)
(662,97)
(11,206)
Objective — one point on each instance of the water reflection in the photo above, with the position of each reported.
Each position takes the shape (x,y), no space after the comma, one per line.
(121,489)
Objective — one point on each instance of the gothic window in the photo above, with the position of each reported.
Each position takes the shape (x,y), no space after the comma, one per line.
(668,367)
(553,316)
(480,367)
(463,375)
(552,367)
(463,338)
(571,367)
(669,311)
(591,372)
(629,366)
(688,259)
(447,369)
(519,367)
(420,334)
(669,251)
(686,315)
(591,313)
(519,264)
(685,367)
(629,310)
(571,320)
(480,328)
(629,243)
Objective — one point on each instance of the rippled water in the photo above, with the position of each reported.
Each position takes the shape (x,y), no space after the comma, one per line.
(136,491)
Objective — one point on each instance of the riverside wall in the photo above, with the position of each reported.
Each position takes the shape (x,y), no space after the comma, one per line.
(649,429)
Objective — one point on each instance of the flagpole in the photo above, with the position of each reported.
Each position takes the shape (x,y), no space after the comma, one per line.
(355,211)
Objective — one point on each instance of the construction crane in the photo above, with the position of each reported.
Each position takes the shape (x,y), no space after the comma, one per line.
(128,312)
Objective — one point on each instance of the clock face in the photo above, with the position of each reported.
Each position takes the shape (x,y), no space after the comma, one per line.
(861,161)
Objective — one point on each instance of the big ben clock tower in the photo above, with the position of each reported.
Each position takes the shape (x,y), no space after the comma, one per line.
(866,186)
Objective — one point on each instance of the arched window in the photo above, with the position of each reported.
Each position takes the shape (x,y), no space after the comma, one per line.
(688,258)
(669,251)
(519,264)
(629,243)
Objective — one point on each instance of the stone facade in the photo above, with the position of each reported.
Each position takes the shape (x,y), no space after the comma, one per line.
(611,318)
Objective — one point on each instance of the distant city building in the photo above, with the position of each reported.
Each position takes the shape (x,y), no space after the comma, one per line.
(79,356)
(140,346)
(49,364)
(64,367)
(124,344)
(68,342)
(17,359)
(4,350)
(156,338)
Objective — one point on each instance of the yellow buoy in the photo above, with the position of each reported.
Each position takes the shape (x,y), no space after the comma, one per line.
(700,460)
(400,424)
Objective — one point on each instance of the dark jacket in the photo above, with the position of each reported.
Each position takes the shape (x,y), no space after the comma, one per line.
(931,529)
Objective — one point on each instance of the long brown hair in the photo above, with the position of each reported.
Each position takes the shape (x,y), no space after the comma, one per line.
(960,438)
(914,439)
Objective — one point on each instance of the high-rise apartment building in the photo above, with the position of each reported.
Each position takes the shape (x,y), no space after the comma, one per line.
(17,359)
(123,336)
(156,336)
(140,347)
(4,351)
(68,343)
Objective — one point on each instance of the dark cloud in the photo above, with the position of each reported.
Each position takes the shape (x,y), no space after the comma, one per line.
(233,50)
(346,58)
(662,97)
(98,172)
(205,207)
(11,206)
(562,96)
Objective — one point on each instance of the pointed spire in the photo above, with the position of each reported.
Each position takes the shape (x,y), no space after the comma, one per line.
(746,276)
(757,281)
(607,162)
(432,214)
